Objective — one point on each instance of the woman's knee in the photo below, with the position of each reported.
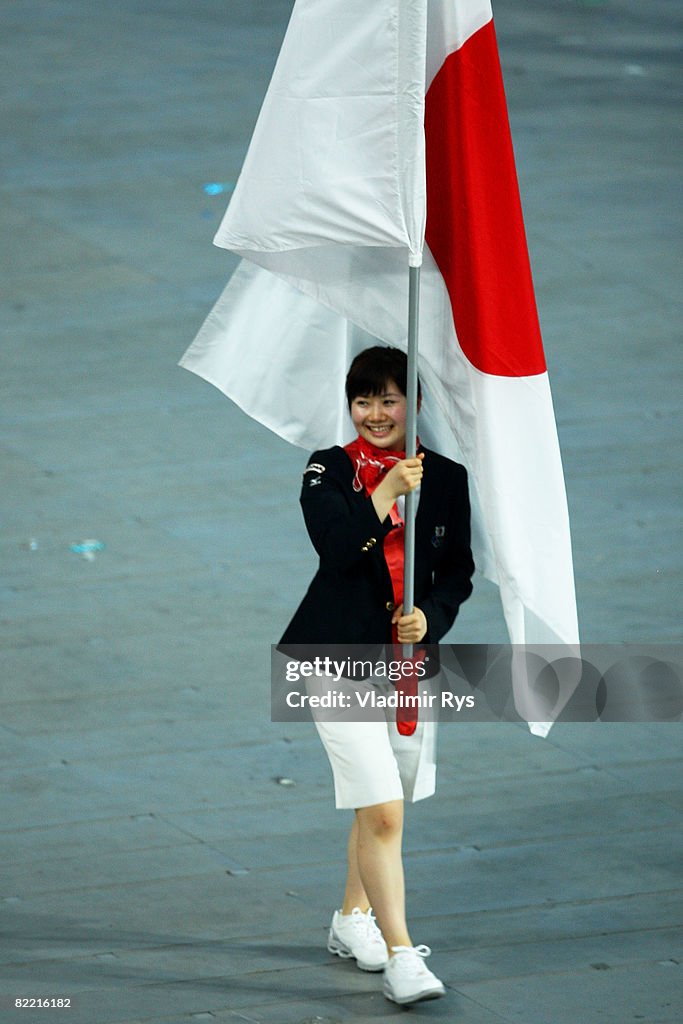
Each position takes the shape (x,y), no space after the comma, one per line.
(382,821)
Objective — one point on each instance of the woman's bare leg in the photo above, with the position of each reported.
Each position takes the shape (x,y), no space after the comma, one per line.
(354,894)
(375,876)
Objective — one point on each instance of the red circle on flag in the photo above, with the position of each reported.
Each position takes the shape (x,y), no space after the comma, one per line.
(475,229)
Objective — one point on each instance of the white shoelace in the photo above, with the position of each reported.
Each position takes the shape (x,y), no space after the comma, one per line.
(412,958)
(366,922)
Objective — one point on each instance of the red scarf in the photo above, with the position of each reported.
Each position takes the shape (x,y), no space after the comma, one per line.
(371,466)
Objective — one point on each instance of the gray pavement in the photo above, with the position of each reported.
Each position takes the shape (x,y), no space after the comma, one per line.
(151,866)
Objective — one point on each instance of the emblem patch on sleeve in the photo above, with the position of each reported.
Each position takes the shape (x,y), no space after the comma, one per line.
(318,469)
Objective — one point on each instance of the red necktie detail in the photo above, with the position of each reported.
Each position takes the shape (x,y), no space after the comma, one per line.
(406,717)
(371,464)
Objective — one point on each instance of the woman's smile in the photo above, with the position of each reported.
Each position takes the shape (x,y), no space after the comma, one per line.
(381,419)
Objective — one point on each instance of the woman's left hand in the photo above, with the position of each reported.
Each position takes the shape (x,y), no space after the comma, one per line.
(411,628)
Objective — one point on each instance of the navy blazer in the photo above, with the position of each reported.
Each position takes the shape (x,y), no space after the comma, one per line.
(350,600)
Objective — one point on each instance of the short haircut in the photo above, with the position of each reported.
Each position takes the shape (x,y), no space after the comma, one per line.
(373,368)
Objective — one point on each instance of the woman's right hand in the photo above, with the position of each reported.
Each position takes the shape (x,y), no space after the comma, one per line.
(402,478)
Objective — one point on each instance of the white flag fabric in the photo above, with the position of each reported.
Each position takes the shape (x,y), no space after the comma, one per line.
(329,210)
(337,156)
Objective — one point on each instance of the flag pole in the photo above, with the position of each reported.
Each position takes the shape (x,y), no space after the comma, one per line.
(411,434)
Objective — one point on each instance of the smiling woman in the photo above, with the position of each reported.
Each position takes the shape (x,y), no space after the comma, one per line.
(379,374)
(381,419)
(352,499)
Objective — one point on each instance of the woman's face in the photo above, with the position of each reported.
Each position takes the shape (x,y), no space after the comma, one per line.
(381,419)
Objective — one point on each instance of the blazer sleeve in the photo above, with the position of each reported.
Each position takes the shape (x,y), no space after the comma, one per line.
(452,580)
(344,527)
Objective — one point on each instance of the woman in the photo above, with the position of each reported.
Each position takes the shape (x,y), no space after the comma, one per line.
(352,500)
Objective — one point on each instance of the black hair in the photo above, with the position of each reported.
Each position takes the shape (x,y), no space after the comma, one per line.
(373,368)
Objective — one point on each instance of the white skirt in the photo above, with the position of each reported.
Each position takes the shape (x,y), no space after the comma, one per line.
(372,763)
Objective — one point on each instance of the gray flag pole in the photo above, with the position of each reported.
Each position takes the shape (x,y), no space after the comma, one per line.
(411,442)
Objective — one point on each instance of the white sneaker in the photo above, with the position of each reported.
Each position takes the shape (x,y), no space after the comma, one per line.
(407,979)
(357,935)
